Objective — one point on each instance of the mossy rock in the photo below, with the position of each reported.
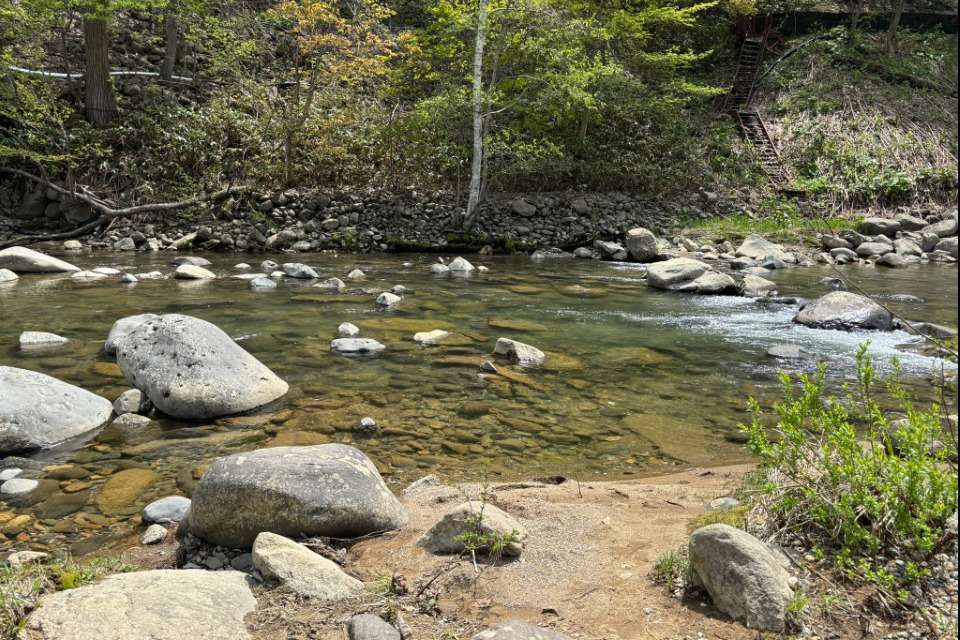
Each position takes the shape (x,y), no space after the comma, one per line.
(297,439)
(404,325)
(634,357)
(526,289)
(107,369)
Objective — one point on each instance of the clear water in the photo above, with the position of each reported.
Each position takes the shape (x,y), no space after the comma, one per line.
(637,381)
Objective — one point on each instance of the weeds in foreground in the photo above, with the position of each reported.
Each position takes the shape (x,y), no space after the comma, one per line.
(860,486)
(670,568)
(778,218)
(21,587)
(736,517)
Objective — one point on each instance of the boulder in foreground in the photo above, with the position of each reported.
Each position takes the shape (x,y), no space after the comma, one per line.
(743,577)
(24,260)
(39,412)
(159,605)
(323,490)
(122,327)
(518,630)
(845,310)
(191,369)
(301,570)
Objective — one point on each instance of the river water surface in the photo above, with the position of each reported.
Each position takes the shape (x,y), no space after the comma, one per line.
(637,381)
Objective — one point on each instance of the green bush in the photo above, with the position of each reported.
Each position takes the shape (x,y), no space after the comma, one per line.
(861,487)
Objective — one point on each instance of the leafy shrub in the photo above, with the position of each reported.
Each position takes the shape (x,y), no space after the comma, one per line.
(860,488)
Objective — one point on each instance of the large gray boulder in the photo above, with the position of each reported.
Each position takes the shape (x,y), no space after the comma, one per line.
(39,412)
(300,570)
(518,630)
(689,275)
(368,626)
(642,245)
(191,369)
(758,248)
(744,578)
(24,260)
(880,226)
(844,310)
(323,490)
(159,605)
(122,327)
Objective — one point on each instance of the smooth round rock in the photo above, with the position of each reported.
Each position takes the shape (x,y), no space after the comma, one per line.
(122,327)
(190,369)
(166,510)
(24,260)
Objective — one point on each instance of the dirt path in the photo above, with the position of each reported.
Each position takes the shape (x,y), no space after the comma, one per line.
(585,570)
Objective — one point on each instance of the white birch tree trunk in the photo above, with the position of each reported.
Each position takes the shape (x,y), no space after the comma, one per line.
(476,168)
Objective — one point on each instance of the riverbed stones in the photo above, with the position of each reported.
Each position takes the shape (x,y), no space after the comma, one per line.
(120,492)
(193,272)
(356,346)
(429,338)
(263,284)
(20,558)
(40,340)
(190,369)
(743,577)
(757,287)
(166,510)
(154,534)
(879,226)
(519,352)
(298,569)
(333,285)
(159,604)
(129,401)
(388,300)
(193,261)
(348,330)
(24,260)
(642,245)
(322,490)
(447,535)
(460,265)
(18,487)
(439,269)
(759,248)
(7,276)
(39,412)
(944,228)
(299,270)
(367,626)
(689,275)
(519,630)
(846,311)
(867,249)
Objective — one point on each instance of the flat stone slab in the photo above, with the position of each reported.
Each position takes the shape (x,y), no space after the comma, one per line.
(24,260)
(154,605)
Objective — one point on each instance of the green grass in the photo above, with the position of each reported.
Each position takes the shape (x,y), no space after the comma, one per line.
(21,587)
(736,517)
(784,228)
(669,567)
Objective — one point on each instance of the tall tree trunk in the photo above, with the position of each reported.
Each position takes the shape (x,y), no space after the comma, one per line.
(856,9)
(894,26)
(476,167)
(101,103)
(170,45)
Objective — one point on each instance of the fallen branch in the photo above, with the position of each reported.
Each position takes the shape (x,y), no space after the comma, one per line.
(106,212)
(54,75)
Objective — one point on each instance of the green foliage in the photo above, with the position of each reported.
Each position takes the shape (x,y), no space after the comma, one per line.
(736,517)
(670,567)
(21,587)
(860,487)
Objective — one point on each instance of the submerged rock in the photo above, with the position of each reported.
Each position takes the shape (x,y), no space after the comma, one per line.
(356,346)
(191,369)
(460,265)
(388,300)
(7,276)
(447,535)
(40,339)
(844,310)
(299,270)
(743,577)
(348,330)
(159,604)
(439,269)
(39,412)
(323,490)
(24,260)
(300,570)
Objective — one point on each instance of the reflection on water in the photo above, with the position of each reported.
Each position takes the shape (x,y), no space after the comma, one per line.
(636,382)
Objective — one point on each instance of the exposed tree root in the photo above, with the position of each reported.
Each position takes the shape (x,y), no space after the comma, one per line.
(106,213)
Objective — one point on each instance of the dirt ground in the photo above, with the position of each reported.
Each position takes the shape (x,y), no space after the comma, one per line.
(585,570)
